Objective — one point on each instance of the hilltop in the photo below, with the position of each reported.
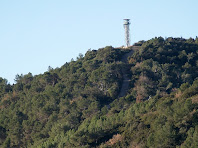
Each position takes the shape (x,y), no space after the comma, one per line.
(142,96)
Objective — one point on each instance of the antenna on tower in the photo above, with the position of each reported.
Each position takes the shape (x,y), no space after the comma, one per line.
(127,36)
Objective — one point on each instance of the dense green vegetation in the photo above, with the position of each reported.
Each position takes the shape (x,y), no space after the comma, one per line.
(77,105)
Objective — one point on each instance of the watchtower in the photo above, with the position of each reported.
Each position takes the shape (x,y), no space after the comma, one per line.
(127,35)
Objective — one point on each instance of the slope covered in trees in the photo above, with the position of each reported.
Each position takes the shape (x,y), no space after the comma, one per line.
(78,104)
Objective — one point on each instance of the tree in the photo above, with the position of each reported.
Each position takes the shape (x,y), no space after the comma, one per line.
(143,87)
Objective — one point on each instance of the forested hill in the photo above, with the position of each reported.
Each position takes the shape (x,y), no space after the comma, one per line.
(78,104)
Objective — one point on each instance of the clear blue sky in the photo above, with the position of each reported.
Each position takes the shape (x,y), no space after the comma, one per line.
(35,34)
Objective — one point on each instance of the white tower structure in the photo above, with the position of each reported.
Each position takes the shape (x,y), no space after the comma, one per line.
(127,35)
